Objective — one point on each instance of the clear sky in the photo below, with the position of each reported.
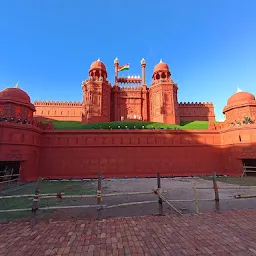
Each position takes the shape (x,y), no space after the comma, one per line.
(47,46)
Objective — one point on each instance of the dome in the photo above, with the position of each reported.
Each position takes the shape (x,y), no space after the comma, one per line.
(161,66)
(15,94)
(98,65)
(240,97)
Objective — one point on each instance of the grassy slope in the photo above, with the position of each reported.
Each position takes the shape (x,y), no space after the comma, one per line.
(242,181)
(185,125)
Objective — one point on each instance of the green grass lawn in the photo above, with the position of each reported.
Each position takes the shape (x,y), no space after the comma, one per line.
(242,181)
(66,187)
(185,125)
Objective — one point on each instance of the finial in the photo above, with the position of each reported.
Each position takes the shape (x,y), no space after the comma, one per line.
(239,90)
(98,59)
(116,60)
(160,61)
(142,61)
(16,85)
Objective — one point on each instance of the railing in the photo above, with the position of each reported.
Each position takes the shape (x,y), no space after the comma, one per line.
(247,169)
(158,192)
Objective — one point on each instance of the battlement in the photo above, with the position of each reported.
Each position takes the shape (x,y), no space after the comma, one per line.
(131,88)
(57,103)
(129,80)
(195,104)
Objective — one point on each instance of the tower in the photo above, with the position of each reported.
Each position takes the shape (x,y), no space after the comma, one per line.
(96,95)
(163,96)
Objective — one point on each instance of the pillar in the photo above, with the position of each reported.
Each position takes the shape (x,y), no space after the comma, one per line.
(143,75)
(116,64)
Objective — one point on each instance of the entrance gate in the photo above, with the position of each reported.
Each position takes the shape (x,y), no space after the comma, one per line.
(249,167)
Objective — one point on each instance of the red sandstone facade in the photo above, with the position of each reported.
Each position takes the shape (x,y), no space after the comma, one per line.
(128,99)
(42,151)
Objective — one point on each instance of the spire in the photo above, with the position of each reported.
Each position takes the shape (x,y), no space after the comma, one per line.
(98,59)
(16,85)
(116,60)
(160,61)
(239,90)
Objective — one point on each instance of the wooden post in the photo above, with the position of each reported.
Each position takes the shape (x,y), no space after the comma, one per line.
(160,201)
(196,200)
(99,196)
(35,201)
(216,191)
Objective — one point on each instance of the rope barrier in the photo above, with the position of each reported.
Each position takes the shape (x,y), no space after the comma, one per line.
(99,195)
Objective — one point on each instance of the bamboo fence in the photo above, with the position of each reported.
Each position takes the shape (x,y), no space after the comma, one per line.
(99,196)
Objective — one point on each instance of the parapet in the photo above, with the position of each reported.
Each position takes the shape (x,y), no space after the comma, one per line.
(57,103)
(195,104)
(130,88)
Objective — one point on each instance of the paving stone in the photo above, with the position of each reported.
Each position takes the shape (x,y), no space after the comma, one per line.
(228,233)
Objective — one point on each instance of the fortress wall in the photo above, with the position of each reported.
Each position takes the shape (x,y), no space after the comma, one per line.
(64,111)
(21,143)
(238,143)
(82,154)
(128,153)
(196,111)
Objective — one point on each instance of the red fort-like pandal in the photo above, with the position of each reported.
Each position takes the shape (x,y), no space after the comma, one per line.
(33,148)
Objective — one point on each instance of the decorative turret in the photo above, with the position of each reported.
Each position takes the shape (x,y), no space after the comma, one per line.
(240,106)
(98,70)
(15,104)
(163,96)
(96,95)
(161,72)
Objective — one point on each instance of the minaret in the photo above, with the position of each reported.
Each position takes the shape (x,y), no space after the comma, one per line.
(116,64)
(143,67)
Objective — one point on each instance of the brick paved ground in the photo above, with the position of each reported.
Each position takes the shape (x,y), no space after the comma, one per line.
(228,233)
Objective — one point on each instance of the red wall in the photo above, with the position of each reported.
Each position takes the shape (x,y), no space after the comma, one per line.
(237,143)
(21,143)
(82,154)
(119,153)
(68,111)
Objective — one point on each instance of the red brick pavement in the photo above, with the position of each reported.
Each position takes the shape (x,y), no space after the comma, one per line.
(228,233)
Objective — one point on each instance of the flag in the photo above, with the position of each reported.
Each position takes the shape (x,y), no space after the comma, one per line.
(124,67)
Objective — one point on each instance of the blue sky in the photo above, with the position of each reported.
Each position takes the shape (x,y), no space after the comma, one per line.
(47,46)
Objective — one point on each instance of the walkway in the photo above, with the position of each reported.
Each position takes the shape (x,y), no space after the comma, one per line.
(228,233)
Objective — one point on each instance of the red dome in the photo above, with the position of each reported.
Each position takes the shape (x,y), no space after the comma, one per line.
(98,65)
(161,66)
(15,94)
(240,97)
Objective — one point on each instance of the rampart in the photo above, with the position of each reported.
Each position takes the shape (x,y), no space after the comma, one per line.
(202,111)
(58,110)
(120,153)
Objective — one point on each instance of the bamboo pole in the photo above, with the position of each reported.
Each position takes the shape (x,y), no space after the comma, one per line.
(127,204)
(216,192)
(9,175)
(245,196)
(35,201)
(16,210)
(99,196)
(163,199)
(196,200)
(5,181)
(241,187)
(160,202)
(69,207)
(53,195)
